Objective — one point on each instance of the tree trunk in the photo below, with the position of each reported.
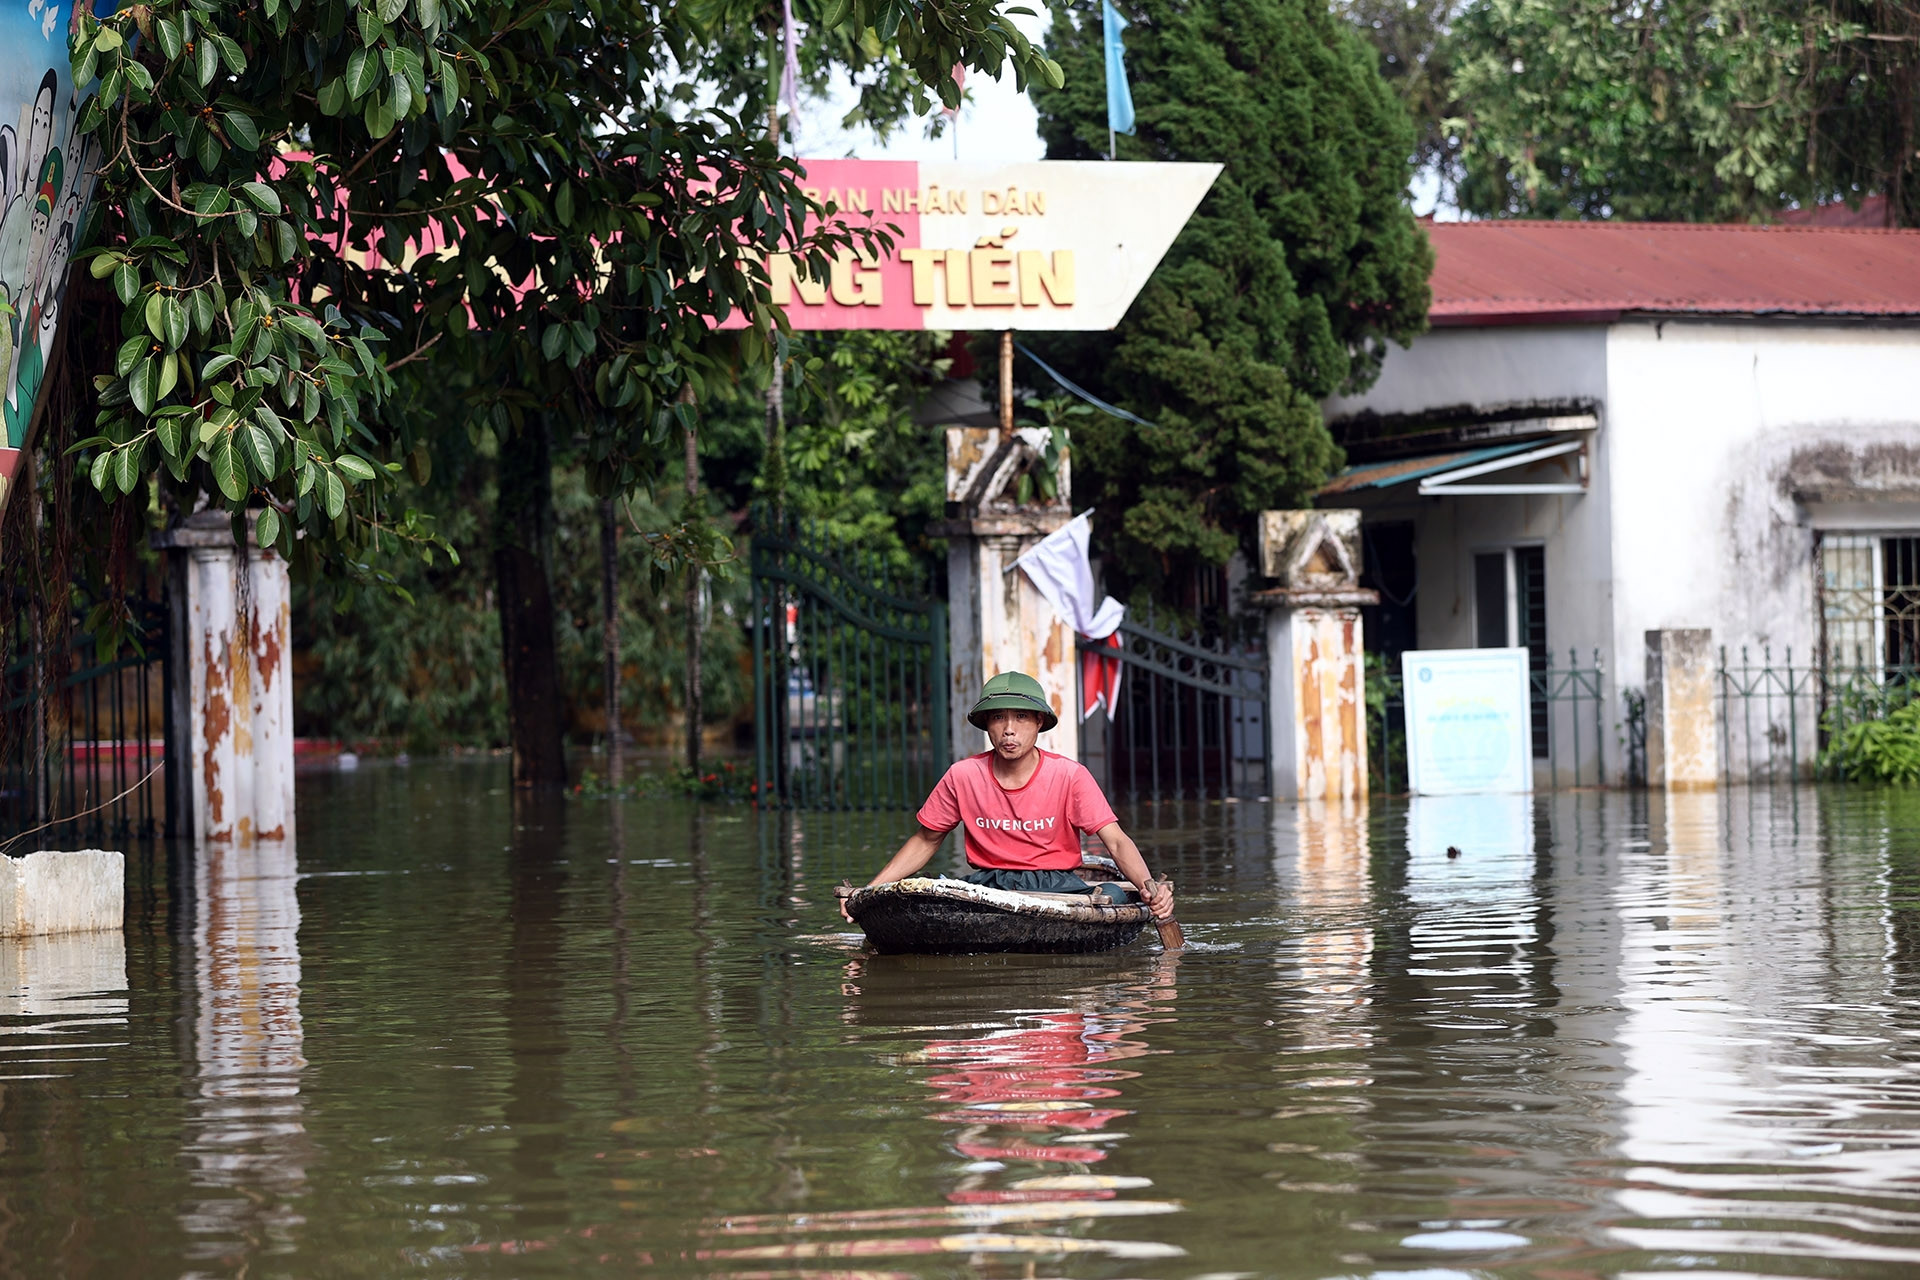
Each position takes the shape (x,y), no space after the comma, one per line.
(523,520)
(696,713)
(610,633)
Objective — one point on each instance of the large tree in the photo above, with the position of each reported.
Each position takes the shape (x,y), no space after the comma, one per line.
(1685,109)
(1301,264)
(522,199)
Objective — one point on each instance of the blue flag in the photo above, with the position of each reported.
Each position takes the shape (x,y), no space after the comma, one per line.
(1119,96)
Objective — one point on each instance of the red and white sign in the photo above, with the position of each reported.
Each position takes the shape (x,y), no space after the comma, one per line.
(1063,244)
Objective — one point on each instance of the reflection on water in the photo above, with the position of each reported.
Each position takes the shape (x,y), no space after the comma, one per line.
(244,1141)
(1614,1035)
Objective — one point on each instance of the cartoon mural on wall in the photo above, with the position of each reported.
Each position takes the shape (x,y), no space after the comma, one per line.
(46,177)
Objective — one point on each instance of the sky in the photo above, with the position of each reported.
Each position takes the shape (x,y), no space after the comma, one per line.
(998,125)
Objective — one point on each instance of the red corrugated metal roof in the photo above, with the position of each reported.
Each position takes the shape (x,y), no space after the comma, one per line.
(1533,272)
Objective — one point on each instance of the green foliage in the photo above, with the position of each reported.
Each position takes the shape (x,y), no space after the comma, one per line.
(424,669)
(1682,109)
(1298,268)
(857,462)
(726,780)
(269,171)
(1386,736)
(1883,749)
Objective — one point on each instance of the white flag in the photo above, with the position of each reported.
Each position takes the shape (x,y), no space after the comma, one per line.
(1060,571)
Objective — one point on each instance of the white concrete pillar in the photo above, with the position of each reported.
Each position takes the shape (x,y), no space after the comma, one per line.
(233,649)
(1316,657)
(996,620)
(1683,729)
(1316,673)
(62,892)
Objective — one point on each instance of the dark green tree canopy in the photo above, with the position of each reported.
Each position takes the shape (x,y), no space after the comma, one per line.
(1299,267)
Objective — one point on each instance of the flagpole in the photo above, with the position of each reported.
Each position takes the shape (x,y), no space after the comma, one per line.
(1109,142)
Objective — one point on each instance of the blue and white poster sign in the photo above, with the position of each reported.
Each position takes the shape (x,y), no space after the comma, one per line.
(1469,721)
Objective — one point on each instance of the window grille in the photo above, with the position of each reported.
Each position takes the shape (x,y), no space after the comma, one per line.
(1870,603)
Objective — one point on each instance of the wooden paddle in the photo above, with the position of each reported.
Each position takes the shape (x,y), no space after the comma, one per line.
(1171,936)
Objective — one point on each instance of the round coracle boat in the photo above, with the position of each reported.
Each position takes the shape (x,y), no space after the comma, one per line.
(923,915)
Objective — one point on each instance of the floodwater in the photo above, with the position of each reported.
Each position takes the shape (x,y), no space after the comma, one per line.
(1617,1036)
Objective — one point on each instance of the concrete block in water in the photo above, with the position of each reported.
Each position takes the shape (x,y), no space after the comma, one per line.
(62,892)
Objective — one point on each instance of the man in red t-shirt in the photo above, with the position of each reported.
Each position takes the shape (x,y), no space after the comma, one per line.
(1022,808)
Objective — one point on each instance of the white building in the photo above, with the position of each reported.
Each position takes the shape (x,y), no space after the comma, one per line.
(1618,428)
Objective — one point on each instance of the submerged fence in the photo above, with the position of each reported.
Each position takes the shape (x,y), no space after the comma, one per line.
(1190,718)
(849,675)
(1780,720)
(82,734)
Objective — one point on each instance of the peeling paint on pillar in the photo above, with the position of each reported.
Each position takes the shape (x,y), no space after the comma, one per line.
(241,736)
(997,620)
(1316,674)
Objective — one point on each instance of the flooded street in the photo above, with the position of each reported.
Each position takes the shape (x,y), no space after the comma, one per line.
(1617,1035)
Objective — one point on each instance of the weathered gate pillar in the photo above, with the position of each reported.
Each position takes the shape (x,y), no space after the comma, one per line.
(996,620)
(1683,734)
(1316,673)
(230,749)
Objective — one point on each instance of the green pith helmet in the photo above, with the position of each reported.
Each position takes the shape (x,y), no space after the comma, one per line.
(1013,691)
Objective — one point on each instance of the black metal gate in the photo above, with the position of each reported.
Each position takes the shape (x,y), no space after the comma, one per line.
(849,677)
(82,735)
(1191,719)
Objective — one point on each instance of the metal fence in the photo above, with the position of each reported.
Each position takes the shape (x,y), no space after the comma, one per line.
(82,734)
(1780,720)
(1570,700)
(849,663)
(1190,719)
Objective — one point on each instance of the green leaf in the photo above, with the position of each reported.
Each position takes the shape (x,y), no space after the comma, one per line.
(217,365)
(228,472)
(130,352)
(168,32)
(230,52)
(389,10)
(106,40)
(172,435)
(169,376)
(202,306)
(140,384)
(333,96)
(371,32)
(156,315)
(256,442)
(358,468)
(402,101)
(126,467)
(552,340)
(177,321)
(262,195)
(243,131)
(363,69)
(267,531)
(334,496)
(246,220)
(563,204)
(101,471)
(427,12)
(206,61)
(378,117)
(126,283)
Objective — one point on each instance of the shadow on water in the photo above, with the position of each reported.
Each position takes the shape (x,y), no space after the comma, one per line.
(461,1033)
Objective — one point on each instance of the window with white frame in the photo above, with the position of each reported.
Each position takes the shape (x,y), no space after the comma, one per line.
(1870,602)
(1510,612)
